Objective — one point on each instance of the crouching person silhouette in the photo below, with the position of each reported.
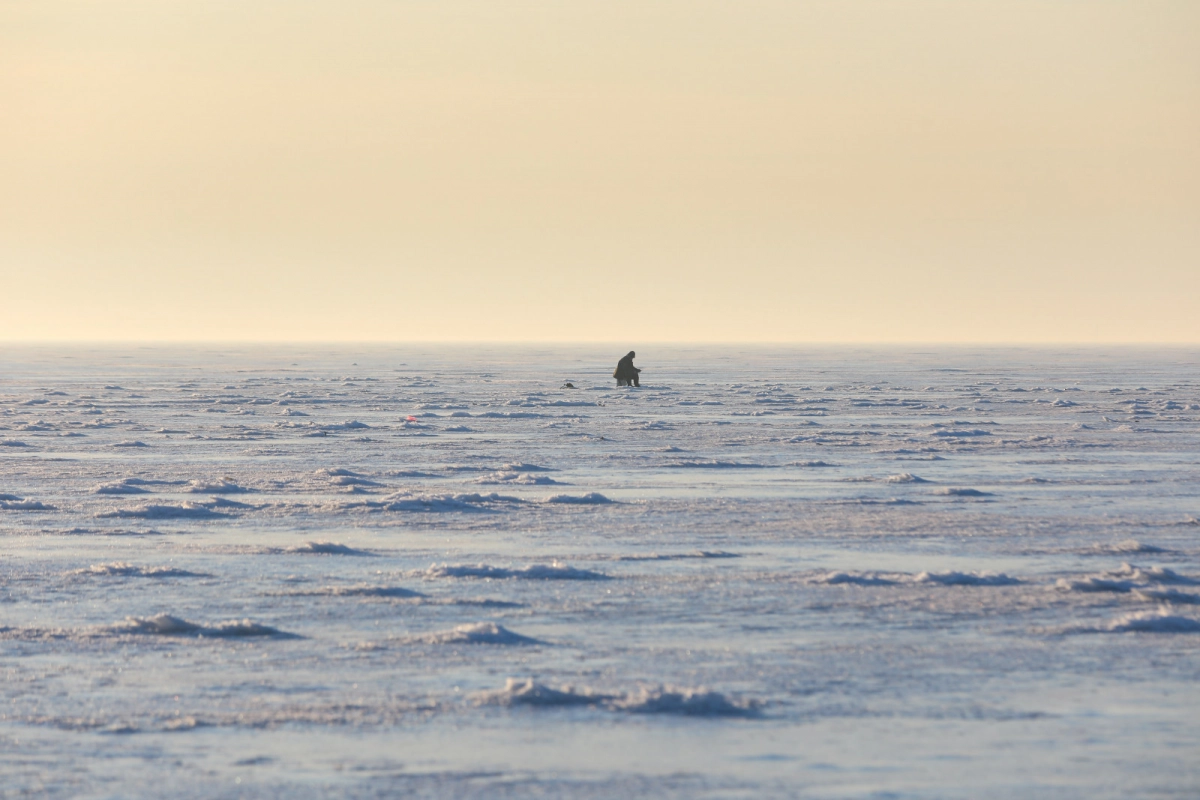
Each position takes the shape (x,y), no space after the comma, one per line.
(626,373)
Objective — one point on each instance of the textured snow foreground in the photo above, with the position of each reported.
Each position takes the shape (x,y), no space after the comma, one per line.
(431,572)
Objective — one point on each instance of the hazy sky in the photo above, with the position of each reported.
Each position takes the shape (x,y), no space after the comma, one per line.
(619,170)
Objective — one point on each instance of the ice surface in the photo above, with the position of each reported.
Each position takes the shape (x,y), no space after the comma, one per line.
(771,605)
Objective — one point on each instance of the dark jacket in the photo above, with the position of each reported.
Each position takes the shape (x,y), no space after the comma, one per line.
(626,371)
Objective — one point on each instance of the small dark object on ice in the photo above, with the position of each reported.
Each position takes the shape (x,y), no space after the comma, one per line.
(627,373)
(567,385)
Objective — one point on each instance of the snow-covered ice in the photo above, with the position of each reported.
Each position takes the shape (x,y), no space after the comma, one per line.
(432,571)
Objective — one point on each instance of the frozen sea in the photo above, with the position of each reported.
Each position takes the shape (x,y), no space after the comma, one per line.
(434,572)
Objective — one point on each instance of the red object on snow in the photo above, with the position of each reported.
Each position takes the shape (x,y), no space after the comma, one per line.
(411,419)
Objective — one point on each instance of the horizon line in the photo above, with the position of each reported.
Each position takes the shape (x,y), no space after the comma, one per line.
(586,342)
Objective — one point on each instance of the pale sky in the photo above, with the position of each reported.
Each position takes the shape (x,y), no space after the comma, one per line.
(619,170)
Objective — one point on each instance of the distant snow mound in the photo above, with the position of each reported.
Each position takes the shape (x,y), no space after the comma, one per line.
(689,702)
(1158,621)
(966,578)
(121,569)
(1167,596)
(345,477)
(520,466)
(1152,575)
(511,415)
(1094,584)
(330,472)
(1126,578)
(130,444)
(167,625)
(530,693)
(13,443)
(360,590)
(960,433)
(811,464)
(961,493)
(184,511)
(126,486)
(657,700)
(24,505)
(352,425)
(951,578)
(353,480)
(589,499)
(835,578)
(1128,546)
(327,548)
(222,486)
(554,571)
(449,502)
(904,477)
(714,464)
(676,556)
(476,633)
(517,478)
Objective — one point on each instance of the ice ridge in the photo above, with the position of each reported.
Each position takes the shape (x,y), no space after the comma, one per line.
(951,578)
(327,548)
(122,569)
(552,571)
(475,633)
(167,625)
(646,700)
